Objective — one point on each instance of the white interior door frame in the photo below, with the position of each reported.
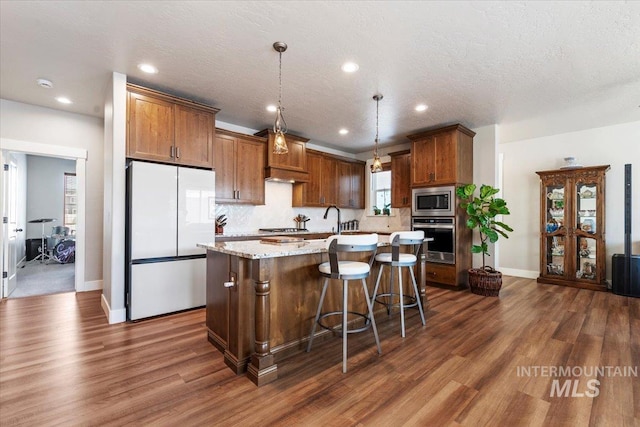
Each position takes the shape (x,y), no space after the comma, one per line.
(10,227)
(80,156)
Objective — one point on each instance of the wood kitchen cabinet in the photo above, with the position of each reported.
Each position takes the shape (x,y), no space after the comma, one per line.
(332,181)
(442,156)
(322,188)
(239,165)
(350,184)
(167,129)
(572,227)
(401,179)
(291,166)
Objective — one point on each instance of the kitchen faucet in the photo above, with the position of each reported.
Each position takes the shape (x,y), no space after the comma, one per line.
(327,212)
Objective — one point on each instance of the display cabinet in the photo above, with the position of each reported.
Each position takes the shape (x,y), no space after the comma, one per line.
(572,227)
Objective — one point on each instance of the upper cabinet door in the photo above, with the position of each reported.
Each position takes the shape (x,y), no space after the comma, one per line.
(357,186)
(445,159)
(401,180)
(344,184)
(312,190)
(194,136)
(225,166)
(250,158)
(151,128)
(423,161)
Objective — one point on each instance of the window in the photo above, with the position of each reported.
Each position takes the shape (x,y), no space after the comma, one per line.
(70,202)
(381,191)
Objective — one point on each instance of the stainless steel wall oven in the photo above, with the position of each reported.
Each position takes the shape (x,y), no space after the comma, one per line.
(443,231)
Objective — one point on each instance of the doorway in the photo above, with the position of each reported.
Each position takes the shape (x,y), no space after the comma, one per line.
(73,271)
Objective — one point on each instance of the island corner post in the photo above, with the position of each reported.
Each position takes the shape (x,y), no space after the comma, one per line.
(262,368)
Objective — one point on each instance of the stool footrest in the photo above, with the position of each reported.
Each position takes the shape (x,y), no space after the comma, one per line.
(337,330)
(413,302)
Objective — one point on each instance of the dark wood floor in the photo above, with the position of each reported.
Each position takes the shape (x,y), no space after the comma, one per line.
(62,364)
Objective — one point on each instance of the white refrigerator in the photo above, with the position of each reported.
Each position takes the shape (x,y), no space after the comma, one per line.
(169,210)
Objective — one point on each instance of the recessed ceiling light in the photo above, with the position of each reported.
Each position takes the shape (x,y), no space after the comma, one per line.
(272,108)
(47,84)
(148,68)
(421,107)
(63,100)
(343,131)
(350,67)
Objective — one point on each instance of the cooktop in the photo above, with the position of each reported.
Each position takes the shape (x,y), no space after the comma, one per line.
(282,230)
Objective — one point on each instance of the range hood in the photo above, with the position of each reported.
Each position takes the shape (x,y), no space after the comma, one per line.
(290,167)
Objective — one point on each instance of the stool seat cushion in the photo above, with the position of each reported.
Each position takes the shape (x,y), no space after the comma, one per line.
(404,258)
(345,267)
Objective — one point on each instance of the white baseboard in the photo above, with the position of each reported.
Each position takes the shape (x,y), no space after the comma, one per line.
(94,285)
(114,316)
(529,274)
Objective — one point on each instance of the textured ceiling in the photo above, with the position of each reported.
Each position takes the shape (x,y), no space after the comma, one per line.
(477,63)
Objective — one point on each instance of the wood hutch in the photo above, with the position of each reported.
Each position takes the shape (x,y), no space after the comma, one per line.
(572,227)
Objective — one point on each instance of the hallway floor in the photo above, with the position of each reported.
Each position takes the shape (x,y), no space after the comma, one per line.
(43,279)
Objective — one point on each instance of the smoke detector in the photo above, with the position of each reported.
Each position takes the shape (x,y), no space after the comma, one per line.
(47,84)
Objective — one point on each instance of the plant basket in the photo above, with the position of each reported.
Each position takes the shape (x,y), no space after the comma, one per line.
(485,281)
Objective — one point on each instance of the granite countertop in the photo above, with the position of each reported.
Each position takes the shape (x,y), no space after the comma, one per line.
(296,232)
(255,249)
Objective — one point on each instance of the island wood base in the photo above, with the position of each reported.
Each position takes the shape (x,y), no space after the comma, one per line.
(260,311)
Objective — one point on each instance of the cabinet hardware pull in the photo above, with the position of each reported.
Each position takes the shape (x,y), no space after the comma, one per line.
(238,194)
(177,152)
(230,284)
(172,151)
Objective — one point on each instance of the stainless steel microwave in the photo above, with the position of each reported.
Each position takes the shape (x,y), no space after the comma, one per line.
(433,201)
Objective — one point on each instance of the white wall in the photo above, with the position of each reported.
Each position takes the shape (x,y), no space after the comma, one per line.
(45,192)
(30,123)
(614,145)
(485,171)
(112,252)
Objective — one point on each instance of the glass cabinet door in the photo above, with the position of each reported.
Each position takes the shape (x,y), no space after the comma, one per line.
(586,208)
(586,257)
(586,211)
(555,229)
(555,255)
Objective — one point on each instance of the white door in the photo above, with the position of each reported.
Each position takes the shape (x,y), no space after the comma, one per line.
(165,287)
(196,209)
(154,210)
(10,227)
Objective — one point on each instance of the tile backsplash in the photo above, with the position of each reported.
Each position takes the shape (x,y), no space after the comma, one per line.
(277,212)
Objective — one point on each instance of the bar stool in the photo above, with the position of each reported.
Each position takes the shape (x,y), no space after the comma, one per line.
(345,271)
(397,259)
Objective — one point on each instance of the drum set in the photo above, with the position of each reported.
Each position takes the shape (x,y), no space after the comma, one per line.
(59,247)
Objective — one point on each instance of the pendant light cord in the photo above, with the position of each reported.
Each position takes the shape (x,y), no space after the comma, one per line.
(280,77)
(377,118)
(280,124)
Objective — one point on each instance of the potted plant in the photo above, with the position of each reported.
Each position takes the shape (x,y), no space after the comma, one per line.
(387,209)
(376,210)
(481,211)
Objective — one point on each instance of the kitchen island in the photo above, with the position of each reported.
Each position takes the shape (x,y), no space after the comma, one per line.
(262,298)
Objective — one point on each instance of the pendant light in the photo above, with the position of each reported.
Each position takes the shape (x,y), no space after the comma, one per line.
(280,126)
(376,166)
